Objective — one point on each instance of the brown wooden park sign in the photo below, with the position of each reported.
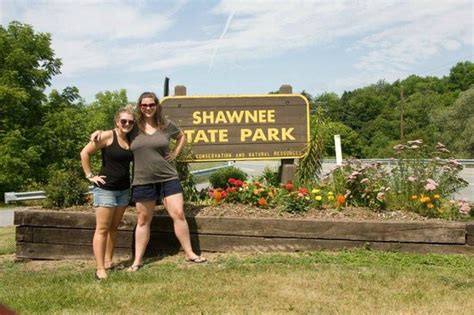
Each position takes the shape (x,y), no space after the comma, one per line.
(242,127)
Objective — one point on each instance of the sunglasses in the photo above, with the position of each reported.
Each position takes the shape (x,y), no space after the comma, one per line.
(147,106)
(123,122)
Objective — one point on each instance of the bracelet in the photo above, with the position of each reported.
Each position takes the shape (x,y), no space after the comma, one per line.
(90,175)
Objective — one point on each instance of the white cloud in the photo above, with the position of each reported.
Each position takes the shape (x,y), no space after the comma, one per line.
(387,38)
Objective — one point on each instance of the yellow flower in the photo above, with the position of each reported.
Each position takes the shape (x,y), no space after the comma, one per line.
(425,199)
(414,197)
(318,198)
(330,197)
(430,205)
(330,193)
(436,196)
(315,191)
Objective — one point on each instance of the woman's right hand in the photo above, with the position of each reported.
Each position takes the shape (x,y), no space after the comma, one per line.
(98,180)
(95,136)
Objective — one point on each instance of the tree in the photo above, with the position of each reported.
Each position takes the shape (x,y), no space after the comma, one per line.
(457,124)
(461,76)
(100,114)
(27,65)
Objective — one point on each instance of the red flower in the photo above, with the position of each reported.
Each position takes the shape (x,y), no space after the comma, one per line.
(303,191)
(262,202)
(231,181)
(238,183)
(289,186)
(230,189)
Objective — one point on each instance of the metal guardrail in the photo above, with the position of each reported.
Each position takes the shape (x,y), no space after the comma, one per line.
(24,196)
(38,195)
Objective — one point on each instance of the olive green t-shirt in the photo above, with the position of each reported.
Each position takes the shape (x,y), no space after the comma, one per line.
(149,151)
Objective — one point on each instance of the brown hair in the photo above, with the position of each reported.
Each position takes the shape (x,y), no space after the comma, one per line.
(160,120)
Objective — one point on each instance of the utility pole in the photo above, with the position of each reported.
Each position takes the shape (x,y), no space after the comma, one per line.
(402,104)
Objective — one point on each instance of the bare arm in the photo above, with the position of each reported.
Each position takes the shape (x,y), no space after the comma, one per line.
(89,150)
(180,141)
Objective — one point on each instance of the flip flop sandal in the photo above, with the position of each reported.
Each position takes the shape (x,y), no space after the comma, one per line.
(134,268)
(196,260)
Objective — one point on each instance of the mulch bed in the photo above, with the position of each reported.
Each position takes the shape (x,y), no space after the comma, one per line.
(241,210)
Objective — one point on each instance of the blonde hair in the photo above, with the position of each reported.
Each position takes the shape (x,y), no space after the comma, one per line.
(128,109)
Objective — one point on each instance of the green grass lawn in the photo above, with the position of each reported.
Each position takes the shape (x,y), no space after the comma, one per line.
(347,282)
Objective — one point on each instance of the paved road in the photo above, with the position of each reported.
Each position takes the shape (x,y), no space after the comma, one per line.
(6,217)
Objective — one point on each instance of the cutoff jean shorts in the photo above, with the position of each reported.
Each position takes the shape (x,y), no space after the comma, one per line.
(156,191)
(110,198)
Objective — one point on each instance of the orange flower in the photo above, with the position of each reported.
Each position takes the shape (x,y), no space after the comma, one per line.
(341,200)
(262,202)
(217,194)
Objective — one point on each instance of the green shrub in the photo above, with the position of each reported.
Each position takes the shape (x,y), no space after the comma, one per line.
(65,189)
(220,178)
(188,183)
(270,177)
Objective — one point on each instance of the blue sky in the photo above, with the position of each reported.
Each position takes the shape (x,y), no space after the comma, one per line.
(247,47)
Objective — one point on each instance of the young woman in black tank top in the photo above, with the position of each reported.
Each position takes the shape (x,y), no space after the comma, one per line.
(111,186)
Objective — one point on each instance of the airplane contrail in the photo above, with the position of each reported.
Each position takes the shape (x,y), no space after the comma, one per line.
(219,41)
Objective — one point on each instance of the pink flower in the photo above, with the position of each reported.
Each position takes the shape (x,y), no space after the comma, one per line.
(417,141)
(464,207)
(431,185)
(364,180)
(412,179)
(380,196)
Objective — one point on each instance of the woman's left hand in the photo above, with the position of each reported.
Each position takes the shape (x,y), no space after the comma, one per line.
(171,156)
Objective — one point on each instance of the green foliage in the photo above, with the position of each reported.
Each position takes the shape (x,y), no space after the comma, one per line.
(309,166)
(188,183)
(293,202)
(364,185)
(461,76)
(220,178)
(373,113)
(65,189)
(422,180)
(27,65)
(457,124)
(101,112)
(269,177)
(350,140)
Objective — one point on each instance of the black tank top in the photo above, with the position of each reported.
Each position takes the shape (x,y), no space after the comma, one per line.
(116,166)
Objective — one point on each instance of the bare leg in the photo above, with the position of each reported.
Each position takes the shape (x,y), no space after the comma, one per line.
(103,222)
(142,232)
(174,205)
(112,236)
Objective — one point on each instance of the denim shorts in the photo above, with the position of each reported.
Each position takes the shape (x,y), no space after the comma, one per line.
(110,198)
(156,191)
